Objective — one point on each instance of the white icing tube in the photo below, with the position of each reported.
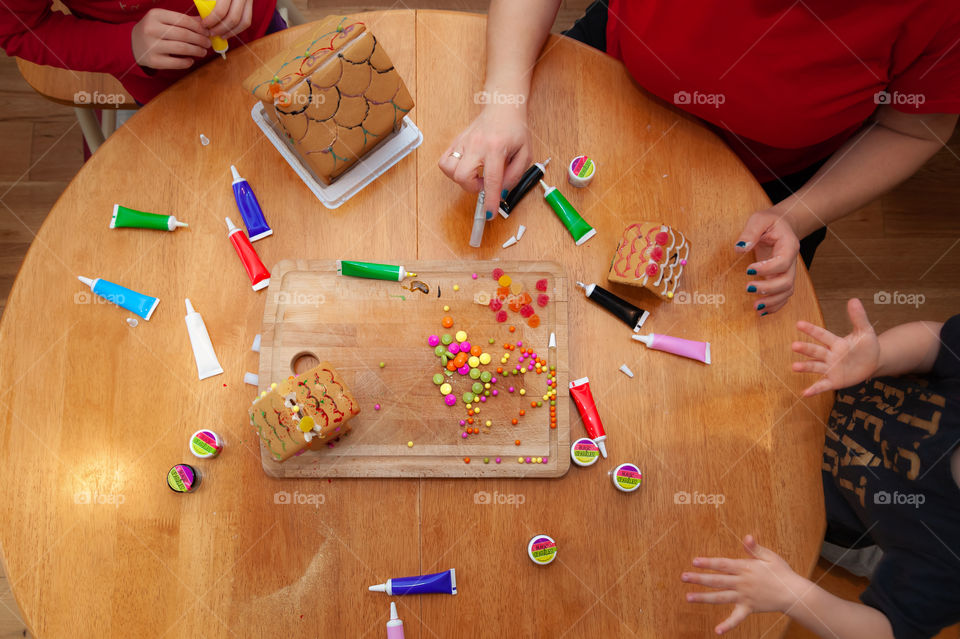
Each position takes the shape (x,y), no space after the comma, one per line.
(699,351)
(207,364)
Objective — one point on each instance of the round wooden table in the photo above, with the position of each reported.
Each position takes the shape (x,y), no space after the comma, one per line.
(94,412)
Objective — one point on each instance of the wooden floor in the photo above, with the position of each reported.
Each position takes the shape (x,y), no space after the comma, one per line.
(905,244)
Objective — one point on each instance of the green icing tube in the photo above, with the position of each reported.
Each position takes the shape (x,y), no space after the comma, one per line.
(578,227)
(127,218)
(372,270)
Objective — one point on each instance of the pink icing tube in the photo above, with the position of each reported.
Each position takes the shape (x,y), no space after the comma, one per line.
(699,351)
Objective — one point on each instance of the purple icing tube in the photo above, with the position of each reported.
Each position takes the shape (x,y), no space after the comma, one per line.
(440,582)
(699,351)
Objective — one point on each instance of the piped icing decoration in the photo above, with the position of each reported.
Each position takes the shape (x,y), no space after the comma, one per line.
(652,256)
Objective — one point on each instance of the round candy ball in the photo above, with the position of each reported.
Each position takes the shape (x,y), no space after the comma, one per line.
(461,336)
(467,398)
(486,376)
(450,400)
(475,373)
(473,361)
(446,338)
(477,388)
(445,389)
(454,348)
(433,340)
(438,379)
(463,370)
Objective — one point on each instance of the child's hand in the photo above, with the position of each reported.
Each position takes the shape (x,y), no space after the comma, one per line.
(775,245)
(164,39)
(762,584)
(229,17)
(842,361)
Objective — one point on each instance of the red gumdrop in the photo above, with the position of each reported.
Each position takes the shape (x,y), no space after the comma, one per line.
(657,253)
(652,269)
(542,299)
(526,310)
(495,305)
(502,316)
(662,238)
(542,285)
(497,273)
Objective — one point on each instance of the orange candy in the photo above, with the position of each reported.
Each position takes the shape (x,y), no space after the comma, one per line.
(533,404)
(451,366)
(512,330)
(460,360)
(522,412)
(517,442)
(475,350)
(503,292)
(533,321)
(499,370)
(470,420)
(514,421)
(466,460)
(553,425)
(447,321)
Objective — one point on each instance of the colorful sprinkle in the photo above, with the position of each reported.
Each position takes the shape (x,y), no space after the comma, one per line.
(376,407)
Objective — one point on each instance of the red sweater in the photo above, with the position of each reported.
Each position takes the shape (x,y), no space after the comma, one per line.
(788,83)
(97,37)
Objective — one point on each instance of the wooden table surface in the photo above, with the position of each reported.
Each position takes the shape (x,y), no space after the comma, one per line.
(94,412)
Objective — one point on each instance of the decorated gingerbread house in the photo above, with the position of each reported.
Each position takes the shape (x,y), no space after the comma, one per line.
(651,255)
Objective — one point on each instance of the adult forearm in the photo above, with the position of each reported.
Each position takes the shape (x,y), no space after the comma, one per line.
(516,31)
(868,165)
(909,348)
(831,617)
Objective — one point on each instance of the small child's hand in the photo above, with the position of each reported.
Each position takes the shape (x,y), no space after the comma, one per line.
(169,40)
(842,361)
(229,18)
(763,584)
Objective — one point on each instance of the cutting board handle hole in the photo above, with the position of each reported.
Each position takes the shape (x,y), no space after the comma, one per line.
(303,362)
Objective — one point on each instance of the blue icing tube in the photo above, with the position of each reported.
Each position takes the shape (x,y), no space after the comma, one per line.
(257,227)
(439,582)
(142,305)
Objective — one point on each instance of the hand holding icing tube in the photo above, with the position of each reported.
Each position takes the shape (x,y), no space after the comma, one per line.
(207,364)
(699,351)
(259,275)
(439,582)
(205,8)
(631,315)
(527,181)
(578,227)
(583,398)
(142,305)
(127,218)
(249,207)
(372,270)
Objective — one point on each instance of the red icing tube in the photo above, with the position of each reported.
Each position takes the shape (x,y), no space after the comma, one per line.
(259,275)
(583,398)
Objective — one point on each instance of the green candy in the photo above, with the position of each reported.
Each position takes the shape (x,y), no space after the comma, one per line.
(492,341)
(467,397)
(474,373)
(446,339)
(477,388)
(539,403)
(485,376)
(438,379)
(486,460)
(439,350)
(487,393)
(444,359)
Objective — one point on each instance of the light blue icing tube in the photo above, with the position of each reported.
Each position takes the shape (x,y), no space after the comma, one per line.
(142,305)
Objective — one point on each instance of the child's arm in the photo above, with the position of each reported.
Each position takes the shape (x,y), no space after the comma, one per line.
(845,361)
(32,31)
(766,583)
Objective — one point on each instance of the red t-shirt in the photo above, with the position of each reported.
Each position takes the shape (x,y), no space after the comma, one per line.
(787,83)
(96,37)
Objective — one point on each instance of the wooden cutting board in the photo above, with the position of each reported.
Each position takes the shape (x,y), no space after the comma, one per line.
(312,314)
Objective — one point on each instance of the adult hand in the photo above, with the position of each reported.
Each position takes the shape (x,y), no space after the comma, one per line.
(229,18)
(496,145)
(168,40)
(763,583)
(775,246)
(842,361)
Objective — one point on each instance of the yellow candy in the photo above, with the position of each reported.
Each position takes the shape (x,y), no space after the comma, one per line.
(539,460)
(445,389)
(670,295)
(487,386)
(409,444)
(523,370)
(469,406)
(306,424)
(273,386)
(523,391)
(476,411)
(456,287)
(504,280)
(461,336)
(485,358)
(473,361)
(446,308)
(489,423)
(519,460)
(516,288)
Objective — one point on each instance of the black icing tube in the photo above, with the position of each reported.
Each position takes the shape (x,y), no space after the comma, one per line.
(631,315)
(529,179)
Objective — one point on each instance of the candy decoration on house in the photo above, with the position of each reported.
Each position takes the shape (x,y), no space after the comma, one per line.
(650,255)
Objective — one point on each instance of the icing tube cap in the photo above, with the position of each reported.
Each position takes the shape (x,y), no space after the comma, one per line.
(378,588)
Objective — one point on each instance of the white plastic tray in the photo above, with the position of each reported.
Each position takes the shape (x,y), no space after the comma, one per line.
(388,153)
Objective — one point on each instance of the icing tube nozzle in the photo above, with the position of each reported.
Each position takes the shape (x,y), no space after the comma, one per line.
(699,351)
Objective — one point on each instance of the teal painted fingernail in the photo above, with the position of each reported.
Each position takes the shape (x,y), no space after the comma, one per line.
(503,193)
(764,313)
(760,307)
(489,215)
(741,244)
(751,289)
(751,271)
